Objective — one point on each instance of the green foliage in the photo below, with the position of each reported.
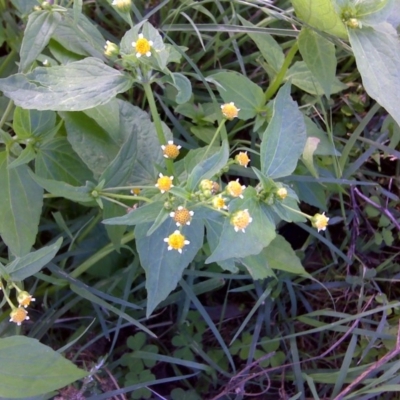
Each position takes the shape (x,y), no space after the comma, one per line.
(187,193)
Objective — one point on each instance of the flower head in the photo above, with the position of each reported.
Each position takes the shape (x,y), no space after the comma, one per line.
(176,241)
(229,110)
(164,183)
(19,315)
(111,49)
(122,5)
(171,150)
(135,191)
(235,189)
(320,221)
(182,216)
(219,203)
(242,159)
(142,46)
(206,184)
(240,220)
(24,298)
(282,193)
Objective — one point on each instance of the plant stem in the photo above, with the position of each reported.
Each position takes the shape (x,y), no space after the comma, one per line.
(127,197)
(274,86)
(297,211)
(222,123)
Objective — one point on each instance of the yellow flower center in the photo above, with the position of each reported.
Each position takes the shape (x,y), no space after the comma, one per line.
(234,188)
(243,159)
(135,191)
(240,220)
(18,315)
(219,203)
(229,110)
(143,46)
(164,183)
(24,299)
(206,184)
(182,216)
(171,151)
(282,193)
(176,241)
(320,221)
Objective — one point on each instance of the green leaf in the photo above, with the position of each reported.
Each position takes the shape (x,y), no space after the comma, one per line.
(321,14)
(257,235)
(370,12)
(39,29)
(27,155)
(143,214)
(257,265)
(309,150)
(62,189)
(268,46)
(36,123)
(20,207)
(247,96)
(300,75)
(280,255)
(120,169)
(207,168)
(319,55)
(57,160)
(164,268)
(284,139)
(73,87)
(114,232)
(30,368)
(95,147)
(325,146)
(377,55)
(28,265)
(183,86)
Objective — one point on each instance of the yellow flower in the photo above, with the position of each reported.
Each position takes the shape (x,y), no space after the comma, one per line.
(182,216)
(176,241)
(24,298)
(135,191)
(111,49)
(164,183)
(219,203)
(235,189)
(229,110)
(206,184)
(242,159)
(171,150)
(282,193)
(18,315)
(142,46)
(320,221)
(122,5)
(240,220)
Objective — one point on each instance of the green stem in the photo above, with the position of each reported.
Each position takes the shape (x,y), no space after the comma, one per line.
(274,86)
(6,115)
(126,196)
(157,123)
(214,137)
(297,211)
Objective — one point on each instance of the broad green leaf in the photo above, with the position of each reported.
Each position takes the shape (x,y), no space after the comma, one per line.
(377,53)
(183,86)
(20,207)
(95,147)
(81,38)
(366,11)
(120,169)
(28,265)
(164,268)
(24,6)
(280,255)
(73,87)
(38,31)
(257,235)
(58,188)
(29,368)
(319,55)
(236,88)
(29,123)
(143,214)
(300,75)
(207,168)
(257,265)
(325,147)
(114,232)
(321,14)
(268,46)
(308,153)
(290,213)
(27,155)
(284,139)
(57,160)
(311,193)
